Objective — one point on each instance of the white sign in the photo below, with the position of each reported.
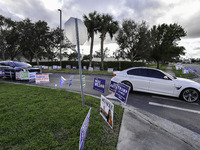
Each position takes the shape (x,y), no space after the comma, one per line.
(107,110)
(110,69)
(42,78)
(90,69)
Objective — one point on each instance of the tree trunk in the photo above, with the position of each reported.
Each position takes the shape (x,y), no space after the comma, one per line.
(158,64)
(91,49)
(37,60)
(131,56)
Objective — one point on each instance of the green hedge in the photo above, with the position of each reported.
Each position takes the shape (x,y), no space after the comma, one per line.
(117,65)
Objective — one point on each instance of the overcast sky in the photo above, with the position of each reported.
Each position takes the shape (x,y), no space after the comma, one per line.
(154,12)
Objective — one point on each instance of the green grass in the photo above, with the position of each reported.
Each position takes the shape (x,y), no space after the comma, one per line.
(41,118)
(77,71)
(179,73)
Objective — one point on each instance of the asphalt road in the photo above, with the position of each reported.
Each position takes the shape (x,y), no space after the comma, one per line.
(169,108)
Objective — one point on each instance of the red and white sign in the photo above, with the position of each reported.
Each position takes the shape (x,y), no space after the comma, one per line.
(42,78)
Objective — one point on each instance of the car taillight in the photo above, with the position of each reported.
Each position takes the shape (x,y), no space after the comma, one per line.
(114,74)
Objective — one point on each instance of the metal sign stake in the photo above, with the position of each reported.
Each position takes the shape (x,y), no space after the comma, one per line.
(79,62)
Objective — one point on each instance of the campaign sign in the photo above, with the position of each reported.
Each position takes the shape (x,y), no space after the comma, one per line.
(59,68)
(50,68)
(62,81)
(32,76)
(110,69)
(17,76)
(113,86)
(42,78)
(90,69)
(96,68)
(55,67)
(99,84)
(193,71)
(84,67)
(45,67)
(185,71)
(107,110)
(122,92)
(70,80)
(68,66)
(74,68)
(24,75)
(83,131)
(83,80)
(2,74)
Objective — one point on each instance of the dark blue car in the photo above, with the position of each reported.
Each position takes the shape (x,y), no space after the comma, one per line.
(14,66)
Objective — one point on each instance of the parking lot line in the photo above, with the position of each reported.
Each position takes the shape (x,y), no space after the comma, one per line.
(173,107)
(173,99)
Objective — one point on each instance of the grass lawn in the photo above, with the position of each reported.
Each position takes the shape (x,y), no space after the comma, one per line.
(179,73)
(41,118)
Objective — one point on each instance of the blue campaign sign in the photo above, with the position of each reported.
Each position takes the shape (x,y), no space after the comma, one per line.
(99,84)
(70,80)
(113,86)
(84,129)
(122,92)
(62,81)
(74,68)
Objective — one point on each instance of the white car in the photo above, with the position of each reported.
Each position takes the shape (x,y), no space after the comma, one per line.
(155,81)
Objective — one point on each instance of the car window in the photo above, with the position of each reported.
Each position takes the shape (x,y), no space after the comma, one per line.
(138,72)
(156,74)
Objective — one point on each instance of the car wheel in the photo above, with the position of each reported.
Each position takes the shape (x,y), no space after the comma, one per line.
(129,84)
(190,95)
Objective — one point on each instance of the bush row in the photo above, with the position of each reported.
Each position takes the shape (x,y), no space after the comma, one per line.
(116,65)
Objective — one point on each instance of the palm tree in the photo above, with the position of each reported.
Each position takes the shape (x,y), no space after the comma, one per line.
(107,25)
(92,24)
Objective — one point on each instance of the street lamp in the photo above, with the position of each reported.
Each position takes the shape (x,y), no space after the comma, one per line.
(60,34)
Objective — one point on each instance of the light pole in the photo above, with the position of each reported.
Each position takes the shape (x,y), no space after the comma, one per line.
(60,34)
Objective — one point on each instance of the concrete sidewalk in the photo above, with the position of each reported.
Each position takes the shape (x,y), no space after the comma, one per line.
(141,130)
(170,71)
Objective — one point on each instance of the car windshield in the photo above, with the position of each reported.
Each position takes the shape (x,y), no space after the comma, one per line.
(21,64)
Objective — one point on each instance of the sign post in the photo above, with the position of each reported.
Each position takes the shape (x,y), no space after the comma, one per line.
(69,30)
(79,62)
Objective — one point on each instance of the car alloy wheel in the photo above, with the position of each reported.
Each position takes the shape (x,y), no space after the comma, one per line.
(190,95)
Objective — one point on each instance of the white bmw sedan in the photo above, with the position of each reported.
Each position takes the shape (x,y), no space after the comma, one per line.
(155,81)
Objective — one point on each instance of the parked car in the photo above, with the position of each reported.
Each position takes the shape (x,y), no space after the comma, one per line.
(13,66)
(2,70)
(155,81)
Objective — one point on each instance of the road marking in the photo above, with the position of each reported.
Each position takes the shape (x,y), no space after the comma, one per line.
(173,99)
(173,107)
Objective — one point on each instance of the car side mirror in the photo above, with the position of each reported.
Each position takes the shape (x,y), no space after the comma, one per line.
(166,78)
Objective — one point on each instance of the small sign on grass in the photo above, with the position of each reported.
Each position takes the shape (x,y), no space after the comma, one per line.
(83,131)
